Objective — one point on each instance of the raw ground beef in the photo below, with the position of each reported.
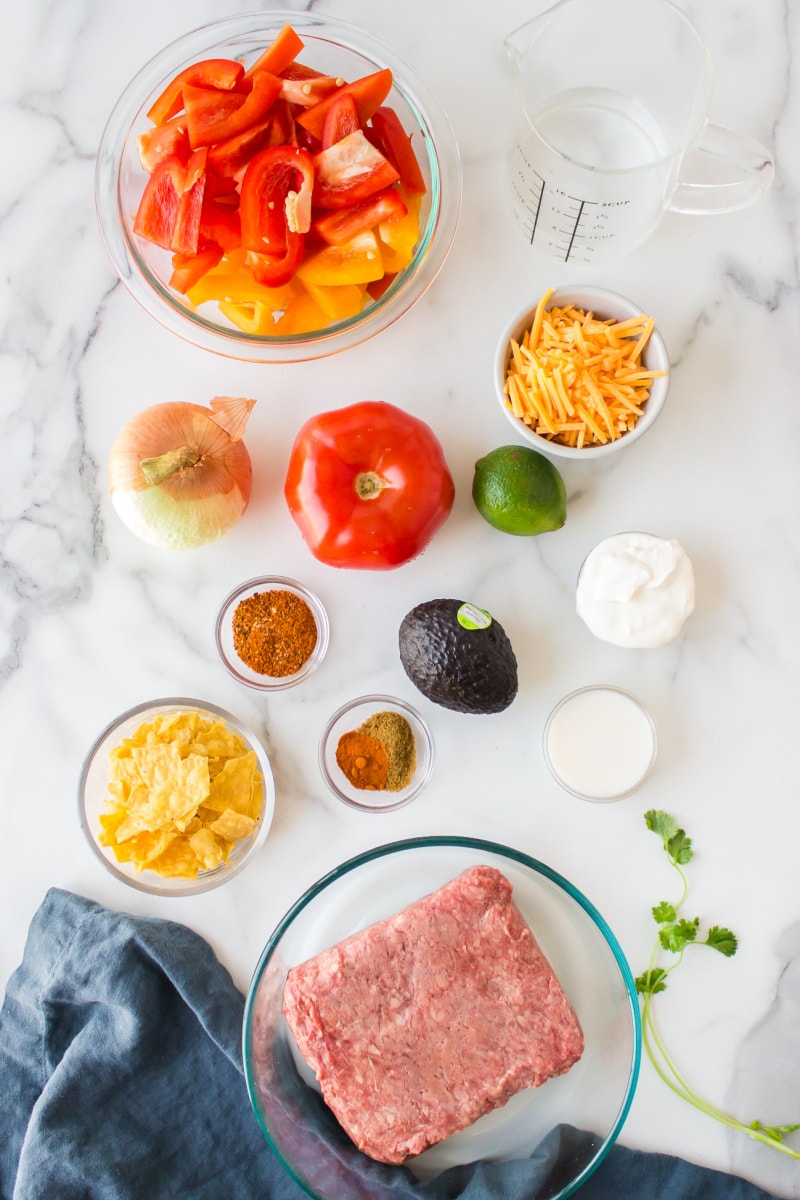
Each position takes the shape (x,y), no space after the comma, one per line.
(422,1023)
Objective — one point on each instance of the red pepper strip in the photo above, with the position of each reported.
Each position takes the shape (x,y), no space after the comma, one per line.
(306,87)
(229,157)
(169,210)
(187,269)
(341,226)
(220,224)
(377,287)
(158,208)
(393,141)
(350,171)
(368,92)
(275,198)
(280,53)
(273,270)
(215,116)
(340,120)
(158,141)
(223,73)
(186,234)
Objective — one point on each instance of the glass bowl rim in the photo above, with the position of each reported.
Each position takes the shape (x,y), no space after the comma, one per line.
(210,881)
(409,711)
(584,295)
(154,295)
(490,847)
(600,687)
(320,613)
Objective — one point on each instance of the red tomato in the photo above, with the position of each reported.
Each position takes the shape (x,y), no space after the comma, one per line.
(368,486)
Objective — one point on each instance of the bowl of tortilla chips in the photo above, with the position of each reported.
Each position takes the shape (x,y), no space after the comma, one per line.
(176,796)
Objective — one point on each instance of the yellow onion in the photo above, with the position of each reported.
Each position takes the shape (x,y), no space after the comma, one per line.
(179,474)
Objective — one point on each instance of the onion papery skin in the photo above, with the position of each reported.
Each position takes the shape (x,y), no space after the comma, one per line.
(196,504)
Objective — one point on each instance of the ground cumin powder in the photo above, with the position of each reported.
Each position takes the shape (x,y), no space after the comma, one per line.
(392,733)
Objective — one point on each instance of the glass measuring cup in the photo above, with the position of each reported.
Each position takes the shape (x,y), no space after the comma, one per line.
(612,129)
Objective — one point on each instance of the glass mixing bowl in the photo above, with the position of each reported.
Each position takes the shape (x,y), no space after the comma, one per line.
(334,48)
(545,1141)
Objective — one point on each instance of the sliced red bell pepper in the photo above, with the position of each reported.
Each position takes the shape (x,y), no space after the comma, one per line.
(392,140)
(350,171)
(231,156)
(341,225)
(378,286)
(306,87)
(169,210)
(273,270)
(275,198)
(214,116)
(188,269)
(220,224)
(158,141)
(341,119)
(158,208)
(186,234)
(279,54)
(369,93)
(223,73)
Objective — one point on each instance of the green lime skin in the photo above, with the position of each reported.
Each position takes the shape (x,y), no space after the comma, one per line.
(519,491)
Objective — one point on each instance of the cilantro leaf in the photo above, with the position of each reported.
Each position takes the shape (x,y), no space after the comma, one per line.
(664,913)
(677,936)
(720,938)
(676,842)
(652,981)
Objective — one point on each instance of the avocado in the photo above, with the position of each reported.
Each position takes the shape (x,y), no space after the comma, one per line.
(458,656)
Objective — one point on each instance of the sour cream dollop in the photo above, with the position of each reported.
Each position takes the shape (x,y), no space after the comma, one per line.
(636,590)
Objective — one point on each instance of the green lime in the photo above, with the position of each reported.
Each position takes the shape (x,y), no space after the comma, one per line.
(519,491)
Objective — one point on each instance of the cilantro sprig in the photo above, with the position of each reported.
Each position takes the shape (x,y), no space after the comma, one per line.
(676,934)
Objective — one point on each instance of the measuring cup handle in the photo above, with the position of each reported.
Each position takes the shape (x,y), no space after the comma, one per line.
(744,165)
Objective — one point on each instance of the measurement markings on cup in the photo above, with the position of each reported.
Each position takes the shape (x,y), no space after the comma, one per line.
(534,205)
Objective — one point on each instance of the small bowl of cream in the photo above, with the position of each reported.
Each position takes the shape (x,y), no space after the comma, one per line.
(600,743)
(636,590)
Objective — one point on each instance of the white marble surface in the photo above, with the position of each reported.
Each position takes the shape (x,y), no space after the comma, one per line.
(93,621)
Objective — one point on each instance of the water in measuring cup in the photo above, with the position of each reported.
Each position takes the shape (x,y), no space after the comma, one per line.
(586,177)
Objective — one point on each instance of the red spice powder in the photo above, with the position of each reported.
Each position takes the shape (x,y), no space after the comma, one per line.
(274,632)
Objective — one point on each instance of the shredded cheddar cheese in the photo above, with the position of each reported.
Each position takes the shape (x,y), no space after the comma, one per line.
(578,380)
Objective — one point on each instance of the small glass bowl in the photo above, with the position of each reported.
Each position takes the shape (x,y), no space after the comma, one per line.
(349,717)
(92,792)
(223,633)
(604,304)
(333,47)
(595,720)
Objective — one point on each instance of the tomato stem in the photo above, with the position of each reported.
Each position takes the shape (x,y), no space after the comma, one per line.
(368,485)
(159,468)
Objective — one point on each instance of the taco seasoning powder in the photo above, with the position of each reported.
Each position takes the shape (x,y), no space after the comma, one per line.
(274,632)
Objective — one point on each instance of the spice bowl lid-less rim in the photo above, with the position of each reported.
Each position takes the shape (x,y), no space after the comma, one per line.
(223,633)
(348,718)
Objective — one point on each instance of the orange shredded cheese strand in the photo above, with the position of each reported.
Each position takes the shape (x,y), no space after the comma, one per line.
(578,380)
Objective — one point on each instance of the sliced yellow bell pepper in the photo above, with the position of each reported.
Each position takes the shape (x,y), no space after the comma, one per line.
(249,316)
(356,261)
(397,239)
(339,302)
(302,315)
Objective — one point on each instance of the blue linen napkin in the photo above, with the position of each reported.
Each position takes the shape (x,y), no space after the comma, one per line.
(121,1079)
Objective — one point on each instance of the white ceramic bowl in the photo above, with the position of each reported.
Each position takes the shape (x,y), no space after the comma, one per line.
(92,789)
(604,304)
(593,1096)
(348,718)
(333,47)
(223,633)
